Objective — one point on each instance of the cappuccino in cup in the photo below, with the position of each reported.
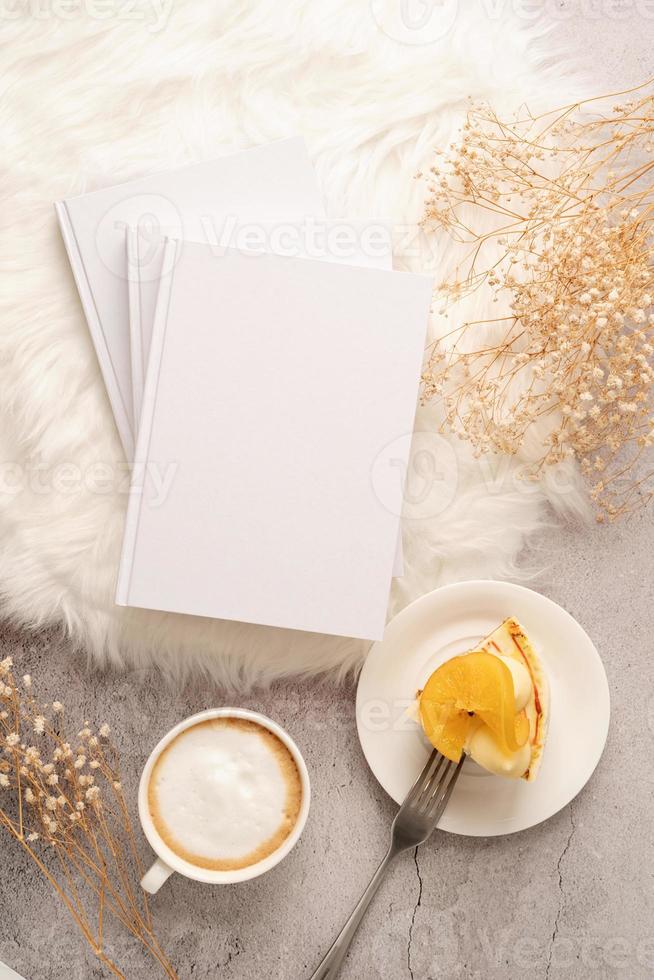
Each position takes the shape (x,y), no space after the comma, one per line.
(223,798)
(225,793)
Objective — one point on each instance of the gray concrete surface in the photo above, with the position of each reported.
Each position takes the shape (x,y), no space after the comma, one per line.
(612,38)
(573,898)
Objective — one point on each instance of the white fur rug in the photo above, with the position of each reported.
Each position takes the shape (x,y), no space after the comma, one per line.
(90,98)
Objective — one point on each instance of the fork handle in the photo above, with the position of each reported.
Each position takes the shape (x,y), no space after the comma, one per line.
(331,964)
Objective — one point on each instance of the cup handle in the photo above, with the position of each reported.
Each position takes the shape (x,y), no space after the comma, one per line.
(157,876)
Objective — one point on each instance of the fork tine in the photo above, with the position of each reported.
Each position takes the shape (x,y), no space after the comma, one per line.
(441,794)
(432,782)
(422,778)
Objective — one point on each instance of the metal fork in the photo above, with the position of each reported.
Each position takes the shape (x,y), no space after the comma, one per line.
(413,824)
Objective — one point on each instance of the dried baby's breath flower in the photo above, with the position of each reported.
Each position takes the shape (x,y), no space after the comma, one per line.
(80,820)
(105,731)
(566,250)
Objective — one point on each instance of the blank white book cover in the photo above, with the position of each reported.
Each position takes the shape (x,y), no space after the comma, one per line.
(364,242)
(273,385)
(263,182)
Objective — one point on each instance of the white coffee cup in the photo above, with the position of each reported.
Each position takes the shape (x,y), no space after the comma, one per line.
(168,861)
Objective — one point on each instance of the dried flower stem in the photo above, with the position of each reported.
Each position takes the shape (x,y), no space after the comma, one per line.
(63,803)
(555,217)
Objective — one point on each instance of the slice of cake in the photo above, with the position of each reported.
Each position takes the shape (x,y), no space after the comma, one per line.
(510,642)
(491,703)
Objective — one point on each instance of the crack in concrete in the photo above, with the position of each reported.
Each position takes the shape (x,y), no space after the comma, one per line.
(413,917)
(559,911)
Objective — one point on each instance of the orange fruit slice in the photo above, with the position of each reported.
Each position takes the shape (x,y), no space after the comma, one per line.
(476,684)
(446,729)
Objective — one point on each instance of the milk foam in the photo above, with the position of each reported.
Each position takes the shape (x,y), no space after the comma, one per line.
(225,793)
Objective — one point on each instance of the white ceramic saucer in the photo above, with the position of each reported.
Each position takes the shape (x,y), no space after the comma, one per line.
(449,621)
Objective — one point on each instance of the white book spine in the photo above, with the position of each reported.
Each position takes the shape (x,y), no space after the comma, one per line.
(95,327)
(139,472)
(135,328)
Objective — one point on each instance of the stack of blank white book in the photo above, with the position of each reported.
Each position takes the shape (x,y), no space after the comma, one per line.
(262,364)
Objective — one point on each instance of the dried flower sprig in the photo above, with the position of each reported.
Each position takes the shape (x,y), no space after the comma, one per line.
(554,215)
(62,801)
